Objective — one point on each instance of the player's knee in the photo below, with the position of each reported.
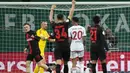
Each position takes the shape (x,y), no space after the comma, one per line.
(59,62)
(40,64)
(43,60)
(28,64)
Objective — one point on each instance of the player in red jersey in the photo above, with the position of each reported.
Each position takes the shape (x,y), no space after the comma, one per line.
(34,51)
(60,30)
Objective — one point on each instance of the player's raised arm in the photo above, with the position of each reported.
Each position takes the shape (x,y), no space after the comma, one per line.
(72,10)
(51,12)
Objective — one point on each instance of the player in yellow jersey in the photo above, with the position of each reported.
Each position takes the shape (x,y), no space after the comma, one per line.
(42,32)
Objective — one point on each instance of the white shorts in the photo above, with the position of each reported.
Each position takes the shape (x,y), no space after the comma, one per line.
(74,54)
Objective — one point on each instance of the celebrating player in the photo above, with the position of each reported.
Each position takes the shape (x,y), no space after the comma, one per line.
(76,34)
(60,29)
(98,43)
(34,52)
(42,32)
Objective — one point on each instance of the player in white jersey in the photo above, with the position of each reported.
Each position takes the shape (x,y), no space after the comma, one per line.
(76,34)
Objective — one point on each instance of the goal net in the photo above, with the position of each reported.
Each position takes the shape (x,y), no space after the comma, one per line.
(115,19)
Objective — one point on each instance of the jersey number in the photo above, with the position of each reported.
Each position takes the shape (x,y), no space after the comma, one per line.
(93,35)
(77,35)
(61,33)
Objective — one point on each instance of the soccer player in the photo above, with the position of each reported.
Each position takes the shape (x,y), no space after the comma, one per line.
(98,43)
(60,30)
(34,52)
(76,34)
(42,32)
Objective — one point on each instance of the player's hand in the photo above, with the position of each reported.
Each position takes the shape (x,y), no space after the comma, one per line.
(88,26)
(52,40)
(109,52)
(25,50)
(73,1)
(32,36)
(43,38)
(53,7)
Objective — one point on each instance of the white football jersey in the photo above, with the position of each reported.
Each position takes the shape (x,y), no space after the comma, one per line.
(76,33)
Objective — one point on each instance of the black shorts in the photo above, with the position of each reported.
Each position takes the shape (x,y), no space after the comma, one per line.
(62,53)
(97,52)
(37,57)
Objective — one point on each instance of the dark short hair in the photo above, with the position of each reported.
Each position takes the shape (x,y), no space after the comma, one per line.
(75,19)
(27,24)
(60,16)
(96,19)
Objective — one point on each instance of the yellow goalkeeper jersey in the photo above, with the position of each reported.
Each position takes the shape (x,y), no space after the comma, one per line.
(42,43)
